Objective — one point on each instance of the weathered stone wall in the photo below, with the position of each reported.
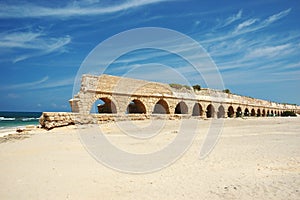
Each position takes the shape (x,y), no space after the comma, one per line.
(121,92)
(50,120)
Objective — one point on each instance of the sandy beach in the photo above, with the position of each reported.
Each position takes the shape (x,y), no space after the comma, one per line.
(255,158)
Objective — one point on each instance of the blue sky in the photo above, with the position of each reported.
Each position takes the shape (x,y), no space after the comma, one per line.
(254,44)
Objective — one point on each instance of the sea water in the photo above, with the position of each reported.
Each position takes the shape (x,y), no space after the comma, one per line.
(18,119)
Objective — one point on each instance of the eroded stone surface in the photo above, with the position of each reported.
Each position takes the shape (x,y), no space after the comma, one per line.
(132,99)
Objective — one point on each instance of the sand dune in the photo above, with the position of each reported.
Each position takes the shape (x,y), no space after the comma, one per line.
(255,158)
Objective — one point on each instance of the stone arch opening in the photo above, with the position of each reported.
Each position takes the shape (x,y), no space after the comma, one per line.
(161,107)
(221,112)
(136,107)
(210,111)
(230,112)
(239,112)
(258,112)
(252,112)
(197,110)
(246,112)
(263,113)
(268,113)
(181,108)
(104,106)
(272,113)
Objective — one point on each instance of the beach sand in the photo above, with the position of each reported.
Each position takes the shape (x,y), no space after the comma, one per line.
(255,158)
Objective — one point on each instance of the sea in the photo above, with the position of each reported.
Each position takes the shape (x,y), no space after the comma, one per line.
(10,120)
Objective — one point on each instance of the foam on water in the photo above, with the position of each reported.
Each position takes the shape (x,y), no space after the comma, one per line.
(30,119)
(7,119)
(16,119)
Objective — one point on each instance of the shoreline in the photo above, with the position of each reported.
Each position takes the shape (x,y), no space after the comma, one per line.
(4,131)
(14,129)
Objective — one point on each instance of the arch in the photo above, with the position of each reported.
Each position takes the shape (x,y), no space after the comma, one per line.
(210,111)
(252,112)
(161,107)
(258,112)
(268,113)
(272,113)
(246,112)
(239,112)
(230,112)
(104,105)
(221,112)
(197,110)
(136,107)
(181,108)
(263,113)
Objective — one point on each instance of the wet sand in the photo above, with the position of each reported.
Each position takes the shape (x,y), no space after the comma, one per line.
(255,158)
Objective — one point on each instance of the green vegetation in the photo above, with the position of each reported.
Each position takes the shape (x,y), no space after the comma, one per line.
(197,87)
(227,91)
(288,113)
(293,104)
(179,86)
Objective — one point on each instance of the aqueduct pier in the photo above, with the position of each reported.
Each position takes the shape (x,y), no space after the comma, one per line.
(125,98)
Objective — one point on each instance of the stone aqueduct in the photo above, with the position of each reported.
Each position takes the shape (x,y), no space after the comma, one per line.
(125,96)
(132,99)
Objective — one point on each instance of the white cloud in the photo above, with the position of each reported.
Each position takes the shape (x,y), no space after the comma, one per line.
(248,26)
(292,66)
(43,83)
(271,19)
(28,10)
(19,40)
(35,44)
(258,54)
(46,47)
(55,83)
(255,77)
(270,51)
(31,40)
(277,16)
(25,85)
(246,23)
(233,18)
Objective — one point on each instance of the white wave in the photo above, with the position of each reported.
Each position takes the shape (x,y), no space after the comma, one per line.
(7,119)
(29,119)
